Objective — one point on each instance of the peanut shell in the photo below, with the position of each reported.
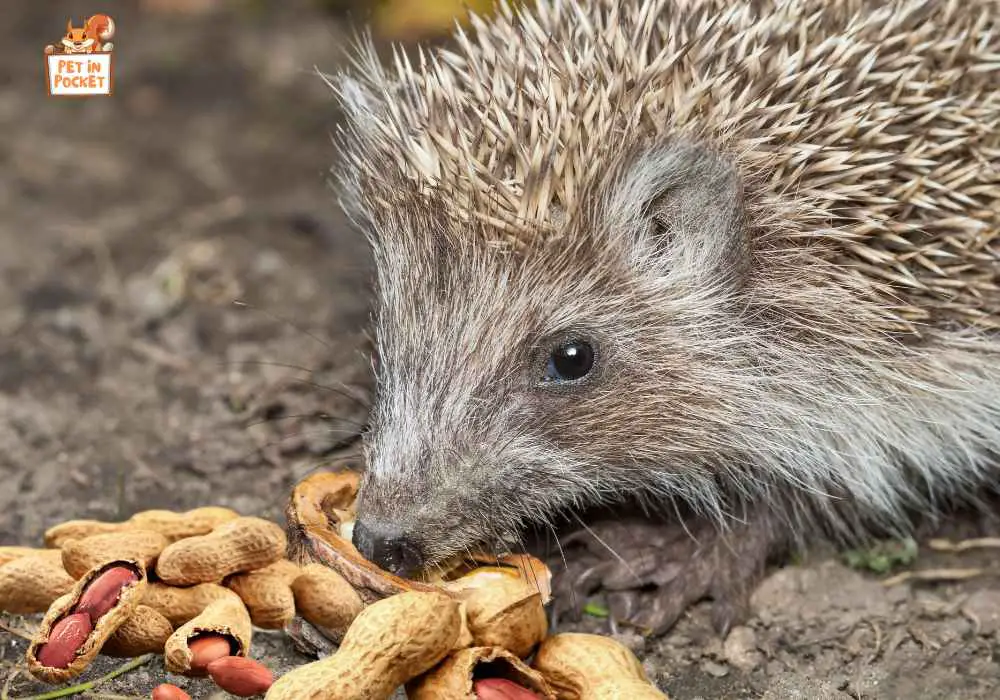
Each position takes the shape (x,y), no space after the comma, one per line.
(267,593)
(144,632)
(80,556)
(226,616)
(173,526)
(389,643)
(325,499)
(31,583)
(325,599)
(128,599)
(503,610)
(591,667)
(180,605)
(243,544)
(452,679)
(179,526)
(9,553)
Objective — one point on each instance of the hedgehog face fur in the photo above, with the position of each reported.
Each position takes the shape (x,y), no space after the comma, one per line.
(774,223)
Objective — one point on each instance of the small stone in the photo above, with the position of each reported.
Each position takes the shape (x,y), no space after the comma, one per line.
(713,649)
(714,669)
(740,649)
(803,687)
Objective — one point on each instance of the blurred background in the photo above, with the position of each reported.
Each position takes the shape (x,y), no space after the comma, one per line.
(129,225)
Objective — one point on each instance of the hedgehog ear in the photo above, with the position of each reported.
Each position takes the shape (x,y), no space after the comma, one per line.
(680,207)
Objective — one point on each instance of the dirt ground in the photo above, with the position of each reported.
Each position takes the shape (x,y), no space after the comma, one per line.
(130,380)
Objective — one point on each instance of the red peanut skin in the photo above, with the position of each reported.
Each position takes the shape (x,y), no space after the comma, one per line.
(167,691)
(206,649)
(65,638)
(502,689)
(240,676)
(102,593)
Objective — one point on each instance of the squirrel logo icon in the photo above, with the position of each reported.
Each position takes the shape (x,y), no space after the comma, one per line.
(93,37)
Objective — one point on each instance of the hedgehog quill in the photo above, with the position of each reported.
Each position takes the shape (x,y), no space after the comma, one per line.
(740,258)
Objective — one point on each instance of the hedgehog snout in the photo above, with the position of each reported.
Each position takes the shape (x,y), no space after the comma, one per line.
(387,545)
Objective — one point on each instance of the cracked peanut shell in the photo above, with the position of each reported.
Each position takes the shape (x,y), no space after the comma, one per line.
(453,678)
(126,602)
(227,616)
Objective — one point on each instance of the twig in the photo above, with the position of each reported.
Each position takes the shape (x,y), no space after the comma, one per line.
(933,575)
(5,695)
(942,545)
(16,632)
(90,685)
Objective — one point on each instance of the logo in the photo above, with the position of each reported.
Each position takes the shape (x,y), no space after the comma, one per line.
(80,64)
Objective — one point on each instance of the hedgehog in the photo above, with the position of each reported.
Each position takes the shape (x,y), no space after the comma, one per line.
(733,264)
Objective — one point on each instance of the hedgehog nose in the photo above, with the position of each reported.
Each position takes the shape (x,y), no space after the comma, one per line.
(387,546)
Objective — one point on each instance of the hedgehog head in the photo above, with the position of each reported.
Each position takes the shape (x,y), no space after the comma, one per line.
(511,381)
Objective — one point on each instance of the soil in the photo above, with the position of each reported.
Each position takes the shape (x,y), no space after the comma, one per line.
(129,378)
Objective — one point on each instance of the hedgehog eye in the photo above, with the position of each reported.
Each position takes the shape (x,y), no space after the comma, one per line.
(569,362)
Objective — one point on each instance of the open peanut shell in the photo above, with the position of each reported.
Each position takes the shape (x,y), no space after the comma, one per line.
(320,518)
(127,599)
(227,617)
(454,678)
(502,609)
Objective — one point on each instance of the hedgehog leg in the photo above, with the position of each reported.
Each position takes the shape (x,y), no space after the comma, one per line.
(651,572)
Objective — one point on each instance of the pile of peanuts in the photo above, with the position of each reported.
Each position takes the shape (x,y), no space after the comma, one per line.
(464,635)
(193,585)
(188,585)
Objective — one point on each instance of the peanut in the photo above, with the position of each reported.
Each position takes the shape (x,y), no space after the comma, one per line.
(243,544)
(10,553)
(95,589)
(241,677)
(31,583)
(503,609)
(477,672)
(168,691)
(64,639)
(226,617)
(80,556)
(182,604)
(145,631)
(173,526)
(592,667)
(267,593)
(325,599)
(502,689)
(389,643)
(102,593)
(207,648)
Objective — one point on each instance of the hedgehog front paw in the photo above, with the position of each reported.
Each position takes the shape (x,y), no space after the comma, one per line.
(651,572)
